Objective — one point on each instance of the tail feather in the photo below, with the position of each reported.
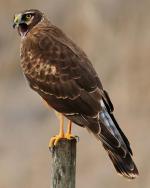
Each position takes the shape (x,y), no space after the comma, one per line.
(121,133)
(116,144)
(124,166)
(107,130)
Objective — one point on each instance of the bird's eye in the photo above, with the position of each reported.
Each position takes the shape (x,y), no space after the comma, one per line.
(28,17)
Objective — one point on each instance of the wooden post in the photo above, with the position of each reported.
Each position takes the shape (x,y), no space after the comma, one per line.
(64,164)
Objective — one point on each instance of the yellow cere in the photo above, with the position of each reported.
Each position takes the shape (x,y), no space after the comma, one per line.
(16,19)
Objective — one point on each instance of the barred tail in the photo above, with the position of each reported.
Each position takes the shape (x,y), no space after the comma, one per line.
(117,145)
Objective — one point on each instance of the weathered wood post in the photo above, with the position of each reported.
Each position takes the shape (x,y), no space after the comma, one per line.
(64,164)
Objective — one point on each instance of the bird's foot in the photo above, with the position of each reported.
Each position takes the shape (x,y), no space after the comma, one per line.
(55,139)
(69,136)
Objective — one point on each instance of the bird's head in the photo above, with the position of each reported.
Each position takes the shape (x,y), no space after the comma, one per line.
(26,20)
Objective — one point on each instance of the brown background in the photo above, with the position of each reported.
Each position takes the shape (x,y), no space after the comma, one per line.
(116,36)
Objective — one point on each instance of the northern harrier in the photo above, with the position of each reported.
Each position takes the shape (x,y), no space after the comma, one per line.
(61,73)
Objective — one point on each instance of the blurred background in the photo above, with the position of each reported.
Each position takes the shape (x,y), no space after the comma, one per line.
(116,36)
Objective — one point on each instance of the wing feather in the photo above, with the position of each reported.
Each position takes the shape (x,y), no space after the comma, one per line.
(74,84)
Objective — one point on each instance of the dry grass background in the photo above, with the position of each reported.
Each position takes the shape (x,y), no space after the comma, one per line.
(116,36)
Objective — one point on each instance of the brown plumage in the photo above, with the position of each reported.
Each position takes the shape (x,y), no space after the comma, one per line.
(61,73)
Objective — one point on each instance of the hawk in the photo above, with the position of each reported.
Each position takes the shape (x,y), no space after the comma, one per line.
(61,73)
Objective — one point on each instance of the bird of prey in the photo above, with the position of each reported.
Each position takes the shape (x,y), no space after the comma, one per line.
(61,73)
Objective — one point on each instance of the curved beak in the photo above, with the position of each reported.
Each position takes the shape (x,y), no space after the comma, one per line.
(17,20)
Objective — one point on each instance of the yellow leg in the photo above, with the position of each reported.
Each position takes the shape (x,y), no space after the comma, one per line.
(68,134)
(54,140)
